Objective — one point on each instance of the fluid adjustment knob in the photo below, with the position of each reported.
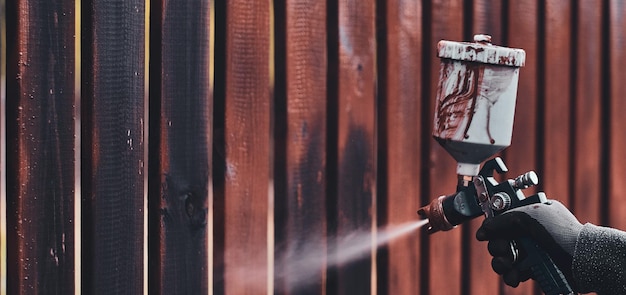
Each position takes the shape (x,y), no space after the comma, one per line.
(500,201)
(525,180)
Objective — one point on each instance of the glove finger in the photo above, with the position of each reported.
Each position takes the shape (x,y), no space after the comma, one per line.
(506,226)
(501,265)
(512,278)
(500,247)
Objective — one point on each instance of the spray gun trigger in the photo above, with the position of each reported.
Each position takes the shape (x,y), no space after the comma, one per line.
(483,196)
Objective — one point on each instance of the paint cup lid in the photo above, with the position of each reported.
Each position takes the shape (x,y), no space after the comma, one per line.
(482,51)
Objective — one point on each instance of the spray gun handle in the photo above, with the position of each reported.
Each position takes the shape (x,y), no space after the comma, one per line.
(496,198)
(543,270)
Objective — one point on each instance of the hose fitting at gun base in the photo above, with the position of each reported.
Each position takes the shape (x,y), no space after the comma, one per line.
(435,214)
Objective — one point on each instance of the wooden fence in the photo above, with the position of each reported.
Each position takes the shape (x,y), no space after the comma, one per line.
(264,130)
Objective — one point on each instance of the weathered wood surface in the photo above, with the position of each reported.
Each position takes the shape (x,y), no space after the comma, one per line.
(242,110)
(113,122)
(180,147)
(400,142)
(301,133)
(557,169)
(40,147)
(345,134)
(354,103)
(587,138)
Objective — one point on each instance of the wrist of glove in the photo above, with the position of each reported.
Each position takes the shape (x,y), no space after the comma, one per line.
(551,225)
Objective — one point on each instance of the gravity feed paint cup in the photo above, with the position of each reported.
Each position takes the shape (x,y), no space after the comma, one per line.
(476,97)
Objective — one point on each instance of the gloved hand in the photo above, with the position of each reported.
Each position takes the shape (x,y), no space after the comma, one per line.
(551,225)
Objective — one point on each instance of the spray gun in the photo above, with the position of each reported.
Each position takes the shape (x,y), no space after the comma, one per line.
(474,121)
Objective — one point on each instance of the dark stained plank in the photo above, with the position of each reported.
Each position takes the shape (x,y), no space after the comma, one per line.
(400,120)
(556,145)
(353,98)
(480,277)
(242,172)
(180,147)
(40,147)
(113,124)
(301,142)
(446,19)
(522,156)
(618,107)
(587,141)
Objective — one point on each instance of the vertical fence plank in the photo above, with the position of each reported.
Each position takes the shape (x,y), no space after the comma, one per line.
(354,100)
(487,19)
(618,120)
(40,147)
(522,156)
(522,32)
(400,124)
(180,154)
(445,247)
(555,177)
(478,276)
(301,142)
(587,141)
(113,149)
(242,175)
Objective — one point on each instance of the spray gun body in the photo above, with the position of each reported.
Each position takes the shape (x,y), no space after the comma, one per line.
(473,121)
(483,195)
(480,195)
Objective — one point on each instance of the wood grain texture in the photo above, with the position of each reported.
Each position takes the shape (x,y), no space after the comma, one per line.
(445,247)
(587,141)
(522,33)
(478,276)
(301,142)
(400,84)
(242,187)
(522,156)
(113,99)
(356,141)
(40,147)
(556,99)
(618,107)
(180,142)
(487,19)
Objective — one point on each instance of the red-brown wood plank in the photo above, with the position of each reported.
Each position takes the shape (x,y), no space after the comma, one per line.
(445,247)
(301,142)
(401,121)
(40,147)
(522,33)
(180,142)
(241,196)
(521,156)
(617,63)
(355,103)
(555,177)
(112,134)
(587,141)
(556,99)
(486,19)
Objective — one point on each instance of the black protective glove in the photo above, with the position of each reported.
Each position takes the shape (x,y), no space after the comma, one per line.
(551,225)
